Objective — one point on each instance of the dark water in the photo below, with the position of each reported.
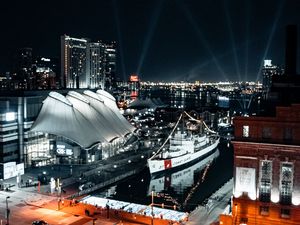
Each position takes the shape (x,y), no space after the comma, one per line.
(185,188)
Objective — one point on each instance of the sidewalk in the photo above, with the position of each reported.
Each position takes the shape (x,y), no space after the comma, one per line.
(27,204)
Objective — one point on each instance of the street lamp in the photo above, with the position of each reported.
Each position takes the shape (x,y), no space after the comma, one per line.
(58,193)
(152,202)
(7,211)
(235,219)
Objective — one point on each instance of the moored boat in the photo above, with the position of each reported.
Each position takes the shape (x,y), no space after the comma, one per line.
(185,146)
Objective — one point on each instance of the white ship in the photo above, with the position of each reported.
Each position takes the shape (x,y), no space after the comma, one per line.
(185,146)
(176,179)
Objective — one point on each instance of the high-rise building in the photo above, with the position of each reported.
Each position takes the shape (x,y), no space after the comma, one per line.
(97,65)
(111,60)
(285,89)
(74,63)
(134,86)
(86,64)
(22,70)
(268,71)
(45,73)
(291,50)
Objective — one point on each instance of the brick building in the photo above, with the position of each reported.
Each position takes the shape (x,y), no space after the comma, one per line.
(266,169)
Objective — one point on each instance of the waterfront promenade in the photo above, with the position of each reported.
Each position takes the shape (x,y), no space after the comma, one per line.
(27,204)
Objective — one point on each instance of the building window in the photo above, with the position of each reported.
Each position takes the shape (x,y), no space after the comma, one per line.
(286,183)
(245,131)
(288,134)
(244,221)
(285,213)
(266,132)
(264,210)
(265,178)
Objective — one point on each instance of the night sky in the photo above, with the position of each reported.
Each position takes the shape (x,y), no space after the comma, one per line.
(167,40)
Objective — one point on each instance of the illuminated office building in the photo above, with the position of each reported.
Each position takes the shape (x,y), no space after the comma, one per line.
(45,73)
(111,59)
(22,76)
(74,65)
(86,64)
(97,64)
(268,71)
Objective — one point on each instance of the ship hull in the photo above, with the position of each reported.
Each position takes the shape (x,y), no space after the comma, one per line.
(160,165)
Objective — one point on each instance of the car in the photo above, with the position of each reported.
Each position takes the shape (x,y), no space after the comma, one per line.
(86,186)
(39,222)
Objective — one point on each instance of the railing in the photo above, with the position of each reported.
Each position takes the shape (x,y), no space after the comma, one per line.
(107,182)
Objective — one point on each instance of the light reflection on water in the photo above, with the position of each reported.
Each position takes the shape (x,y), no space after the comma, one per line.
(185,188)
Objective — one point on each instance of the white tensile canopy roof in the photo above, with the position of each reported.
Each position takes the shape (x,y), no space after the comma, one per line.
(110,101)
(82,118)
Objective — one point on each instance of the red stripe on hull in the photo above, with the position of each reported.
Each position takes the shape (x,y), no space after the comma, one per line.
(168,164)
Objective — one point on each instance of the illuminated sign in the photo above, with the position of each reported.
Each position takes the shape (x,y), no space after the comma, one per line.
(62,150)
(45,59)
(245,181)
(20,168)
(267,62)
(9,170)
(10,116)
(134,78)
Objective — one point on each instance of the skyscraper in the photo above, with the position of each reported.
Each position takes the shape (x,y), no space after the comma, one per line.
(97,65)
(111,60)
(22,69)
(291,50)
(74,63)
(268,71)
(86,64)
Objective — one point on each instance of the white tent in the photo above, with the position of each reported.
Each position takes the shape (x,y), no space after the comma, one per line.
(81,118)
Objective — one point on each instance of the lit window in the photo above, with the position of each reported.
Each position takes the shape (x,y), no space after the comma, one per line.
(265,178)
(245,131)
(286,183)
(10,116)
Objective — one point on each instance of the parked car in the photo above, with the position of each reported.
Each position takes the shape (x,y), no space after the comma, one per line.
(86,186)
(39,222)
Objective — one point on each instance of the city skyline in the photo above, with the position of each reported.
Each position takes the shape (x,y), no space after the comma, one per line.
(159,40)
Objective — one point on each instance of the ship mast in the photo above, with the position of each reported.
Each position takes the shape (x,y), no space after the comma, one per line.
(170,135)
(168,138)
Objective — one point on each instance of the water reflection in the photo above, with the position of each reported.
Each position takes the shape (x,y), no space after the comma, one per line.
(175,189)
(180,179)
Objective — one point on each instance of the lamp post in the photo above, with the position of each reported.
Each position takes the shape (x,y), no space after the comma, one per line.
(7,211)
(58,193)
(152,202)
(236,208)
